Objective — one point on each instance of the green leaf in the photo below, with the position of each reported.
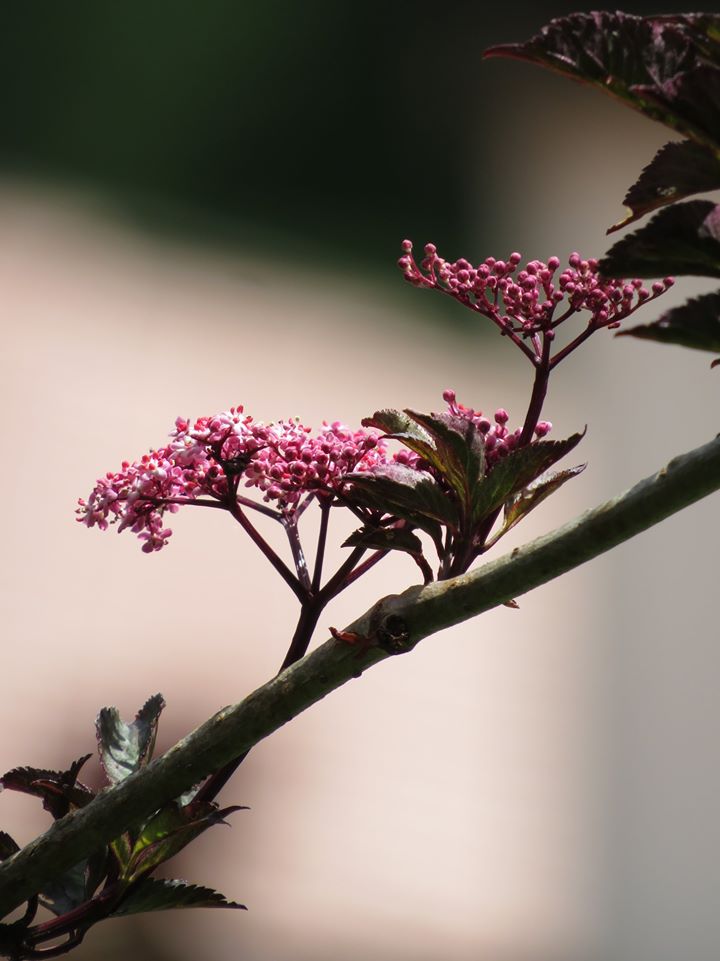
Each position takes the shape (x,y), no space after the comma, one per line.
(618,52)
(695,324)
(534,494)
(516,471)
(677,171)
(169,831)
(59,790)
(152,894)
(122,848)
(125,748)
(410,494)
(683,239)
(386,539)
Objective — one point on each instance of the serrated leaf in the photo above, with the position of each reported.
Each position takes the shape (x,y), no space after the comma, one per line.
(689,102)
(153,894)
(620,54)
(459,455)
(517,471)
(410,494)
(683,239)
(125,748)
(59,790)
(452,445)
(385,539)
(694,324)
(8,846)
(397,423)
(677,170)
(169,831)
(519,506)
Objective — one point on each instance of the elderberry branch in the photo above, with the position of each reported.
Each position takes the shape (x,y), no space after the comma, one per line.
(424,611)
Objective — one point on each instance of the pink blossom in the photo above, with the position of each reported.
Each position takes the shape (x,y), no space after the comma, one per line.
(294,462)
(204,460)
(286,462)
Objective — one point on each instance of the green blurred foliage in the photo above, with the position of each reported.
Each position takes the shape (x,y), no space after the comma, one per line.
(325,126)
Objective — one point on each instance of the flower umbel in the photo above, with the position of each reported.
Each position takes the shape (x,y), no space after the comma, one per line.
(534,300)
(204,462)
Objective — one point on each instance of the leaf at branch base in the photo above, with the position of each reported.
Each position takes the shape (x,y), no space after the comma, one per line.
(617,52)
(169,831)
(385,539)
(8,846)
(694,324)
(66,892)
(683,239)
(519,506)
(59,790)
(153,894)
(677,170)
(410,494)
(125,748)
(516,471)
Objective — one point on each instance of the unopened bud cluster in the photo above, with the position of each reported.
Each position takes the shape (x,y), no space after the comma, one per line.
(499,440)
(536,297)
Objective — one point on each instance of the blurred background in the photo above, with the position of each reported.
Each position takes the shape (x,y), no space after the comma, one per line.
(202,205)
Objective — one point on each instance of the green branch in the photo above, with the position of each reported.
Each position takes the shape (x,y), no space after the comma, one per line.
(398,622)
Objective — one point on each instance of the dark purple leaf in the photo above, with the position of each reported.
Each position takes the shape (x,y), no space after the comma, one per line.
(615,52)
(683,239)
(385,539)
(694,324)
(152,894)
(516,471)
(677,171)
(397,423)
(59,790)
(124,748)
(450,444)
(410,494)
(459,455)
(8,846)
(689,102)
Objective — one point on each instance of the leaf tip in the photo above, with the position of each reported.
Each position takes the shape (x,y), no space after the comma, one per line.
(621,223)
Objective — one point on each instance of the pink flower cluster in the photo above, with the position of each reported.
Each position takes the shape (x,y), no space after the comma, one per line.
(526,301)
(285,461)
